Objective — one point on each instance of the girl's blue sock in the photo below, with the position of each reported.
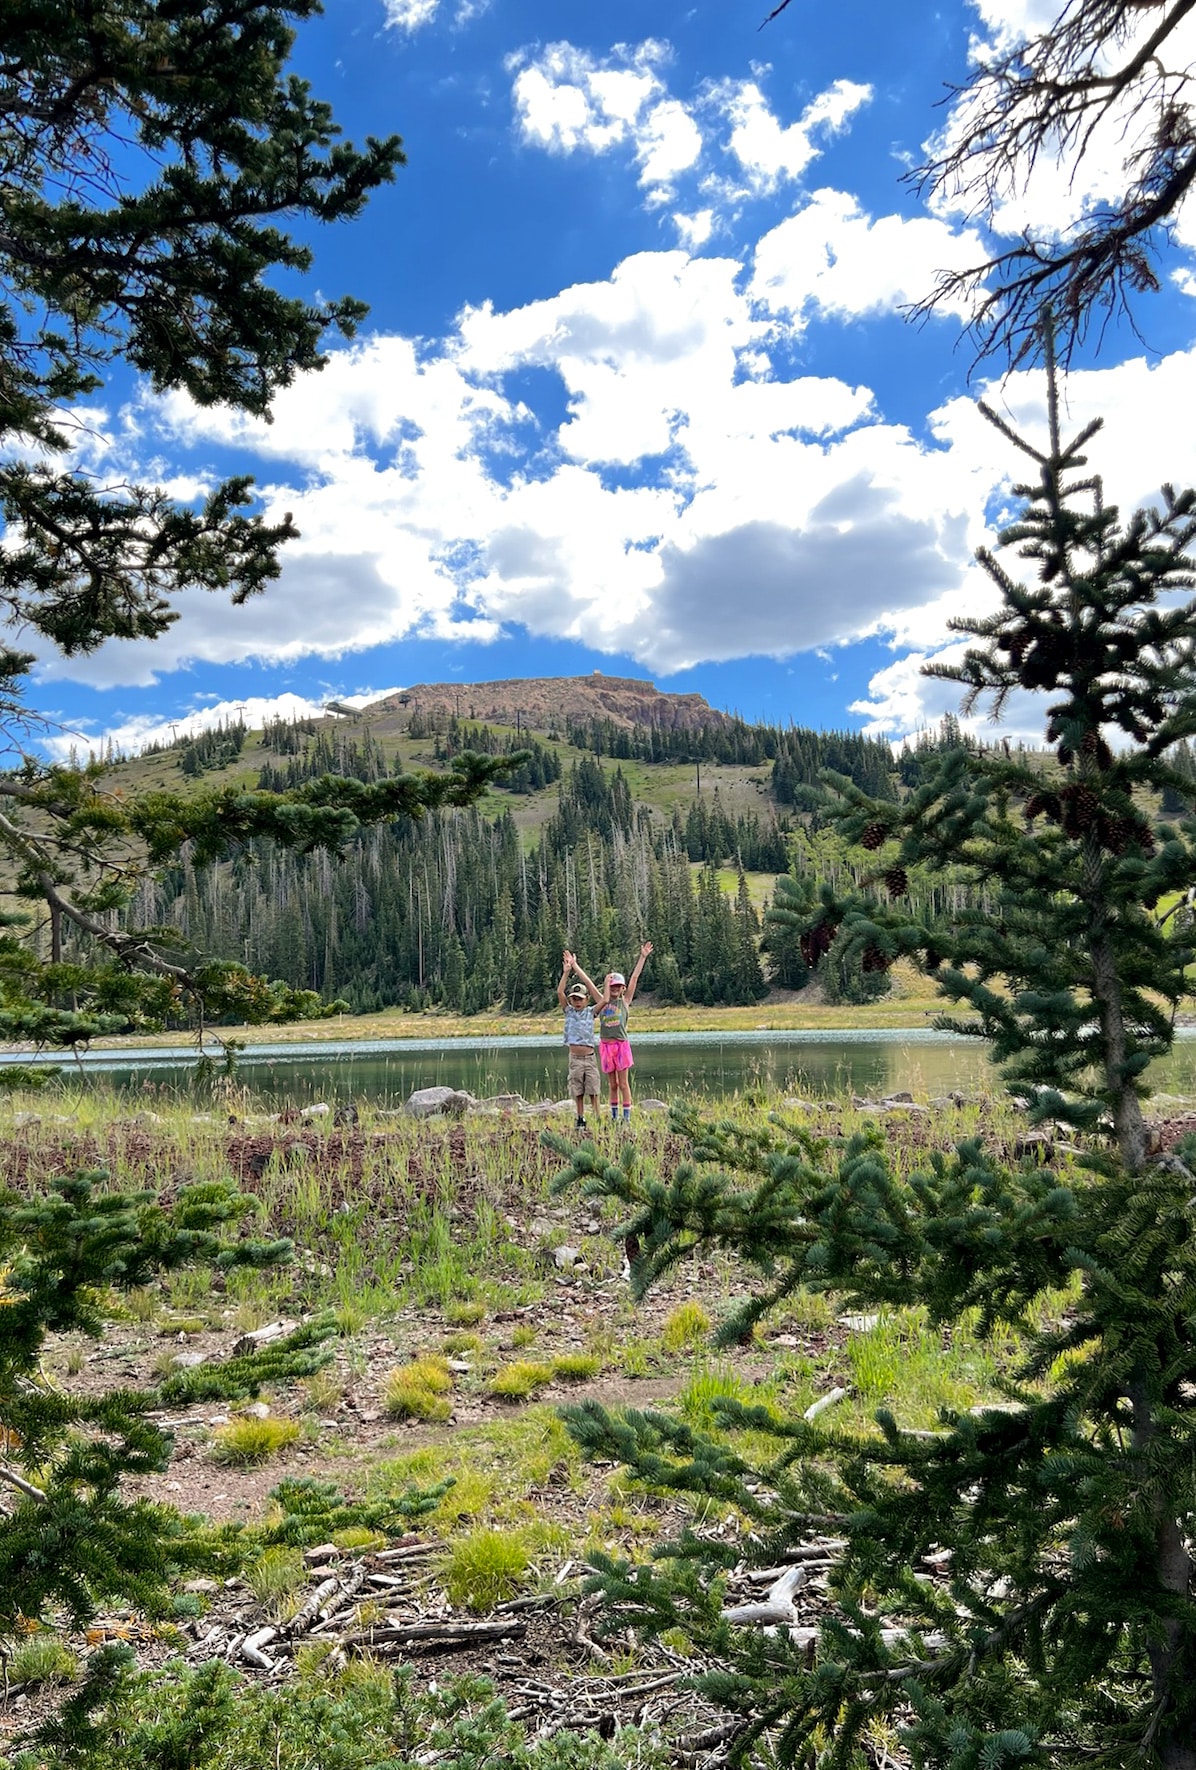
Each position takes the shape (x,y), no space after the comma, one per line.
(626,1115)
(614,1112)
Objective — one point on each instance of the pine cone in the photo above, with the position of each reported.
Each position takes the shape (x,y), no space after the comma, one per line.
(932,958)
(1040,804)
(1066,754)
(1081,807)
(874,837)
(896,881)
(1094,745)
(874,960)
(1114,833)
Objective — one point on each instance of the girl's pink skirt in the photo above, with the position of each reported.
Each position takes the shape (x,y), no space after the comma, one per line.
(615,1055)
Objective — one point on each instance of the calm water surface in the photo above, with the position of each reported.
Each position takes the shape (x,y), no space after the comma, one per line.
(714,1064)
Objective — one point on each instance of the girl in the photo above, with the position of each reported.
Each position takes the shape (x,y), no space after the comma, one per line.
(614,1047)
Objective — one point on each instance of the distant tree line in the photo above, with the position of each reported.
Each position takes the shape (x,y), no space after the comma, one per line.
(456,911)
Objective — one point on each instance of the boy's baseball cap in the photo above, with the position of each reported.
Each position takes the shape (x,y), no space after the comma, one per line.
(617,977)
(577,989)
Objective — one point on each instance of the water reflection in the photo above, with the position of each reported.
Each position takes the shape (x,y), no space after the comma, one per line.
(868,1062)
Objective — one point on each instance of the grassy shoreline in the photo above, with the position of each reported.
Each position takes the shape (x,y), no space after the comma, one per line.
(899,1012)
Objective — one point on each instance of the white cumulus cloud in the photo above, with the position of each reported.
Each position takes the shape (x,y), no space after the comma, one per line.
(568,100)
(832,258)
(770,152)
(409,15)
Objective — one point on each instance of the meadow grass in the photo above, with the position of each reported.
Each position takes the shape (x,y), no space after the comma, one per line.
(415,1223)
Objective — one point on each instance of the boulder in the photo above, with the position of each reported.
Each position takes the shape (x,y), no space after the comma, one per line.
(425,1103)
(651,1105)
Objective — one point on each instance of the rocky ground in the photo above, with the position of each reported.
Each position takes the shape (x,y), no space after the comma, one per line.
(388,1217)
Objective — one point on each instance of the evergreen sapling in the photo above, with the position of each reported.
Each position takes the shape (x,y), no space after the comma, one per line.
(1063,1630)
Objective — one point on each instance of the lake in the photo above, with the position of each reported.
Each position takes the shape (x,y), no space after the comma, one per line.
(863,1061)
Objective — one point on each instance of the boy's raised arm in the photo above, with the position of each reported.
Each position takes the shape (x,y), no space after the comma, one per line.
(567,964)
(595,992)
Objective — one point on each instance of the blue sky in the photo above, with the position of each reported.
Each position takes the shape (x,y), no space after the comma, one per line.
(635,393)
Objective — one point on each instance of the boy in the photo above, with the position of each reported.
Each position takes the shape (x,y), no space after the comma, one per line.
(579,1036)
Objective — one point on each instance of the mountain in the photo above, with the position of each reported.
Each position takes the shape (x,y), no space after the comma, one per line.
(553,703)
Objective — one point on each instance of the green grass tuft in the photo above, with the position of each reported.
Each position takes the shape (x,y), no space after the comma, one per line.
(246,1442)
(576,1367)
(685,1329)
(485,1568)
(419,1390)
(41,1659)
(515,1382)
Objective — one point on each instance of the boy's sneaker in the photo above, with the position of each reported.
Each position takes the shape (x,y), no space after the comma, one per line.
(580,1125)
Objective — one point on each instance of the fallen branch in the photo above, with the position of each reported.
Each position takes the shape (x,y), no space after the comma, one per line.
(777,1606)
(448,1633)
(12,1479)
(251,1649)
(308,1611)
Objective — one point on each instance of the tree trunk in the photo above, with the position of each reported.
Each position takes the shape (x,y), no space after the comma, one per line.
(1129,1127)
(1173,1572)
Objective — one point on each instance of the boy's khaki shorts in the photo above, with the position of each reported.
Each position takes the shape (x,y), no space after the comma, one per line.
(583,1075)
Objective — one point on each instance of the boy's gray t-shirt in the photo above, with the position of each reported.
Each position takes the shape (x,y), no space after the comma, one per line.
(579,1026)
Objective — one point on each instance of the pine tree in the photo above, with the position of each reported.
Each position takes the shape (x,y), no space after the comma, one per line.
(70,1540)
(1064,1633)
(151,151)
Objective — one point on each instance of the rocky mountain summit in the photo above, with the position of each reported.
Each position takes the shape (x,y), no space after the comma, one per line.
(552,703)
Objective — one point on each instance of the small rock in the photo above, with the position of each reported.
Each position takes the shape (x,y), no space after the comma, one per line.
(321,1552)
(26,1118)
(902,1098)
(858,1324)
(1034,1143)
(565,1259)
(187,1361)
(202,1586)
(218,1420)
(256,1410)
(653,1105)
(318,1111)
(506,1102)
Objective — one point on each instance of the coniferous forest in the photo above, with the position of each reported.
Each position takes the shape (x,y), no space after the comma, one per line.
(460,910)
